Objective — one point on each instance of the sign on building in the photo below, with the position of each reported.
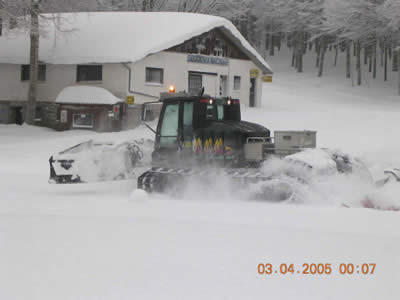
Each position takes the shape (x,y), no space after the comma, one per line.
(267,78)
(212,60)
(130,100)
(254,73)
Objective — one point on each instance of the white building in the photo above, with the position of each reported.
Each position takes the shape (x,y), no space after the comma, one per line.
(137,54)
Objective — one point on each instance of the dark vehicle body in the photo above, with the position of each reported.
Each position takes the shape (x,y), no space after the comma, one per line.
(201,129)
(203,138)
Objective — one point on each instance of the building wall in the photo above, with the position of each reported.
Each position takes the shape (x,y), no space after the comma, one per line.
(115,80)
(11,86)
(176,72)
(4,113)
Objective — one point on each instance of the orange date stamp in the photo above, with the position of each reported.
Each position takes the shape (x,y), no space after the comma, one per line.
(316,269)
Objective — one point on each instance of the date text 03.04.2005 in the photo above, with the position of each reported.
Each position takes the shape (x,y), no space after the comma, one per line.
(317,269)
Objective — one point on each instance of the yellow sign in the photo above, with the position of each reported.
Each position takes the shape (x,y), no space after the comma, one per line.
(130,99)
(267,78)
(254,73)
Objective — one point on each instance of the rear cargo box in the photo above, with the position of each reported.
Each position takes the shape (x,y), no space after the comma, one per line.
(288,142)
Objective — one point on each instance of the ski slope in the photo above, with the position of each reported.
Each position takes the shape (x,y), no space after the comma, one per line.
(108,241)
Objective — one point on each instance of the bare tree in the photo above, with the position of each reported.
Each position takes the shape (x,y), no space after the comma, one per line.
(270,23)
(28,15)
(389,12)
(33,61)
(300,17)
(132,5)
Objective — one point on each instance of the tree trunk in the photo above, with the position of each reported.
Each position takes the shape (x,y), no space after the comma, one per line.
(271,43)
(398,72)
(358,63)
(318,51)
(336,54)
(348,60)
(293,48)
(370,64)
(375,61)
(365,55)
(293,57)
(322,57)
(300,52)
(394,61)
(385,67)
(34,62)
(267,41)
(263,45)
(300,62)
(279,42)
(296,50)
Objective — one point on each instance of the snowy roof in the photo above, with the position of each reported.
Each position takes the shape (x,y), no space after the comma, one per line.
(115,37)
(86,95)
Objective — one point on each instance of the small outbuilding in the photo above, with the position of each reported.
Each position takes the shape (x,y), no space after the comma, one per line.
(89,107)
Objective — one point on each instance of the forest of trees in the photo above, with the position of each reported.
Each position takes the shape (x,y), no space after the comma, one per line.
(368,31)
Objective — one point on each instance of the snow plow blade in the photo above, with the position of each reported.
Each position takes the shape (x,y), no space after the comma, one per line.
(94,161)
(54,178)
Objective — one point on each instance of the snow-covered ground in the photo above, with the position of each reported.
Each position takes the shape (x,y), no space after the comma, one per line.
(108,241)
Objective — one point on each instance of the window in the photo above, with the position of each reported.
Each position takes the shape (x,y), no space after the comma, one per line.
(200,45)
(195,82)
(187,121)
(218,51)
(42,73)
(236,82)
(220,110)
(89,73)
(25,73)
(155,75)
(169,129)
(82,121)
(211,113)
(38,113)
(223,86)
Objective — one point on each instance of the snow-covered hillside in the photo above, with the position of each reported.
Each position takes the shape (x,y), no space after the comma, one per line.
(108,241)
(361,120)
